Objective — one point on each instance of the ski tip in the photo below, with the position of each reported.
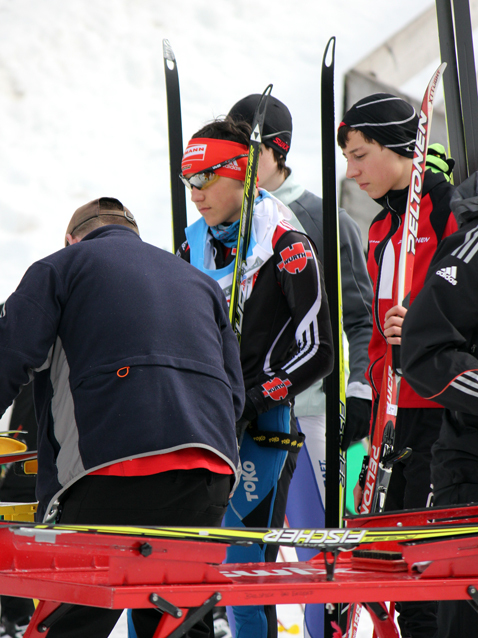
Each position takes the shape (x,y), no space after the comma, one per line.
(438,73)
(329,53)
(168,53)
(433,84)
(262,105)
(259,114)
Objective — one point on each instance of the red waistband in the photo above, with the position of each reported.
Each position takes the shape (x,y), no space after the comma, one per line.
(185,459)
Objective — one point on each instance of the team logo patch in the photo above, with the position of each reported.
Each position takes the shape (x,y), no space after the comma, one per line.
(449,274)
(276,389)
(195,152)
(294,258)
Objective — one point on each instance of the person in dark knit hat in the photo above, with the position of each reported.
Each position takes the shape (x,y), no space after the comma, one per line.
(306,504)
(277,128)
(377,137)
(387,119)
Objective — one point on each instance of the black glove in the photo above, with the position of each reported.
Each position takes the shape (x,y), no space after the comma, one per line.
(357,420)
(248,415)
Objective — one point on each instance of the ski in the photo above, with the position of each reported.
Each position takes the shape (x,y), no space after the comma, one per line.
(461,104)
(454,118)
(335,383)
(332,539)
(178,193)
(382,454)
(467,78)
(236,305)
(14,457)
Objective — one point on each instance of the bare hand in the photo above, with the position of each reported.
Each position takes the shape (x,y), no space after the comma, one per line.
(392,328)
(358,492)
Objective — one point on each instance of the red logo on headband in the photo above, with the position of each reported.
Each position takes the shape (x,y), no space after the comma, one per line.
(282,144)
(195,152)
(276,389)
(294,258)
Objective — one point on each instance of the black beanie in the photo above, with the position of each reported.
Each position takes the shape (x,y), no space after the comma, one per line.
(277,129)
(387,119)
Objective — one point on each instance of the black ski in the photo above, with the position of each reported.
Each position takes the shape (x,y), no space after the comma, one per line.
(335,382)
(236,305)
(456,49)
(175,132)
(467,77)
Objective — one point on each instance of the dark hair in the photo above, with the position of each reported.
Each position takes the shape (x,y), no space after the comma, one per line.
(226,129)
(103,220)
(280,161)
(343,135)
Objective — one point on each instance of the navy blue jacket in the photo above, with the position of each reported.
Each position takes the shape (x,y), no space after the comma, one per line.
(133,355)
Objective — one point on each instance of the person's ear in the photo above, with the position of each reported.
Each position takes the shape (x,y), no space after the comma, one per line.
(70,240)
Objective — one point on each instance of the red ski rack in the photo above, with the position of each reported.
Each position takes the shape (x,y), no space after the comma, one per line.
(119,571)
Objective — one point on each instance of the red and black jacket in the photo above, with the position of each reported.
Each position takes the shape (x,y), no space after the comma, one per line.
(385,235)
(286,341)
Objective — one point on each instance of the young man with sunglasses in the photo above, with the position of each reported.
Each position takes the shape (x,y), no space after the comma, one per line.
(286,340)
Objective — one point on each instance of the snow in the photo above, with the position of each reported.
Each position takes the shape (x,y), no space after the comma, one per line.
(83,106)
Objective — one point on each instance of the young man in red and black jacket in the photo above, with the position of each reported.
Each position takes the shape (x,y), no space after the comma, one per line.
(285,343)
(377,137)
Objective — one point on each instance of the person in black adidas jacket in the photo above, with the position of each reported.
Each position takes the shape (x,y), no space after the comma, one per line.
(440,361)
(137,387)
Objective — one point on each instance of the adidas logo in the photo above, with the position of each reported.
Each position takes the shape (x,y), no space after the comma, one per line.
(233,166)
(449,274)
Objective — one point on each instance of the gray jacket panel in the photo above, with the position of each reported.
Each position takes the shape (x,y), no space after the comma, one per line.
(356,291)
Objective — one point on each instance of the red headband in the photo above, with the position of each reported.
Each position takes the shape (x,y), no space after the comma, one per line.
(204,152)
